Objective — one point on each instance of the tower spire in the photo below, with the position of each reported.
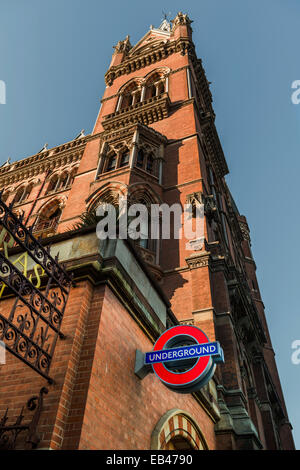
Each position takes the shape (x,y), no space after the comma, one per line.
(165,25)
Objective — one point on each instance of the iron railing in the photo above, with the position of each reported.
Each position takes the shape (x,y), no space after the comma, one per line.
(30,315)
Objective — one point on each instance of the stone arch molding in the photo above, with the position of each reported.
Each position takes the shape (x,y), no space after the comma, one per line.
(176,422)
(109,192)
(163,72)
(141,189)
(60,201)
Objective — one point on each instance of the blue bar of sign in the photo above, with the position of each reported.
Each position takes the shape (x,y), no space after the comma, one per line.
(185,352)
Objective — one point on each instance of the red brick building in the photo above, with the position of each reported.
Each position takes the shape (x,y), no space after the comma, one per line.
(154,141)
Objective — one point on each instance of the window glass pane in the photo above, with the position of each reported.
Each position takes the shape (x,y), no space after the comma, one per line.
(140,159)
(111,163)
(150,163)
(124,159)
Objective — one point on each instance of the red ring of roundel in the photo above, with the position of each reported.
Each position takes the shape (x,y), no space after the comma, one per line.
(184,378)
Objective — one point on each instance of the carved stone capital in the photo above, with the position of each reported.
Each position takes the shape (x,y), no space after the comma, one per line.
(198,261)
(210,207)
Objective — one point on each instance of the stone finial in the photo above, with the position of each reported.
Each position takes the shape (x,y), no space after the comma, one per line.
(7,163)
(181,19)
(80,135)
(123,46)
(44,149)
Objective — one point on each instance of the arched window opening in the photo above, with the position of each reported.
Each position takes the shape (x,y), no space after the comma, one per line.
(27,193)
(177,430)
(130,96)
(53,184)
(72,176)
(145,233)
(22,194)
(178,443)
(146,161)
(18,196)
(156,85)
(145,241)
(127,101)
(63,182)
(48,218)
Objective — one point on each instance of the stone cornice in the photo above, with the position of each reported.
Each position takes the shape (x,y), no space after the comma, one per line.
(145,58)
(214,149)
(198,261)
(158,53)
(41,162)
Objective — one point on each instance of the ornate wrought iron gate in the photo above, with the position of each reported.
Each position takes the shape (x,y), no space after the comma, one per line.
(31,322)
(9,433)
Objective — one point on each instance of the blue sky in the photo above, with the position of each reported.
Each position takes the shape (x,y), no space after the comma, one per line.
(53,56)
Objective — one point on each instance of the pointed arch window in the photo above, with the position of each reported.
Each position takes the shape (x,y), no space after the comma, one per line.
(61,182)
(113,160)
(64,179)
(53,184)
(156,85)
(48,218)
(18,196)
(145,240)
(22,194)
(147,162)
(130,96)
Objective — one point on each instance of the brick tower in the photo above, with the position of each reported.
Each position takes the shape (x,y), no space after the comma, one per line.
(155,142)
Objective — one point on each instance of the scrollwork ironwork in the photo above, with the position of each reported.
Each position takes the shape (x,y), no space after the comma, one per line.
(9,434)
(31,326)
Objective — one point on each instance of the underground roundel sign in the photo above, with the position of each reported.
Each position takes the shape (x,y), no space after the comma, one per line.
(184,359)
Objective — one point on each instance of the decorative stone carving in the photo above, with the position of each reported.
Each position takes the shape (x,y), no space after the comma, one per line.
(210,207)
(33,166)
(123,46)
(245,231)
(199,261)
(181,19)
(187,322)
(195,198)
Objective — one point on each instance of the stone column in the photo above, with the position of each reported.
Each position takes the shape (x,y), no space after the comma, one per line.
(119,103)
(143,93)
(133,152)
(189,83)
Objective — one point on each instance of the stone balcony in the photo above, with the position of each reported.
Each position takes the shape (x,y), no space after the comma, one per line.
(148,111)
